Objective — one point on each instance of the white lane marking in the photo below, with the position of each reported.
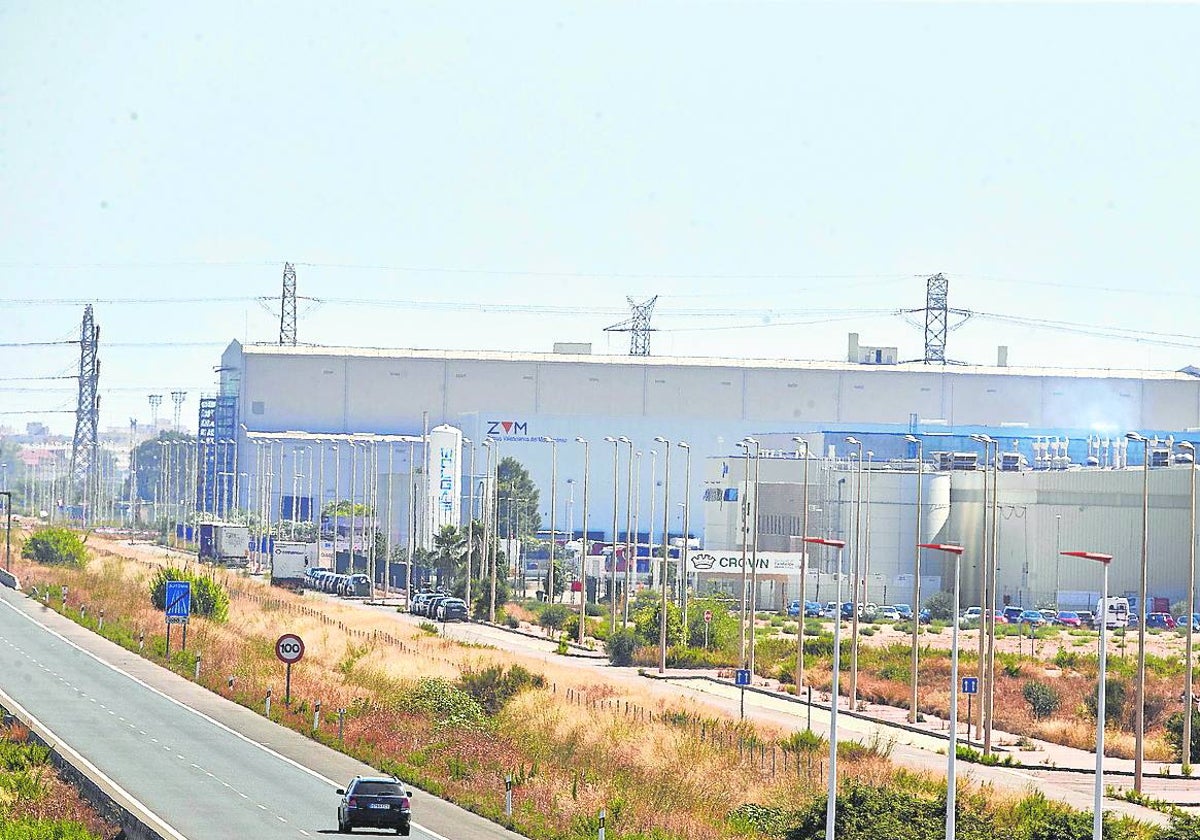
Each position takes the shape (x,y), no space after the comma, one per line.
(80,761)
(196,712)
(281,819)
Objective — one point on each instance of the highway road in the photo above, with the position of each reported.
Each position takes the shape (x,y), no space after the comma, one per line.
(192,764)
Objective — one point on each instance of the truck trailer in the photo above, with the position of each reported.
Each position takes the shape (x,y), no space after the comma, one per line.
(225,543)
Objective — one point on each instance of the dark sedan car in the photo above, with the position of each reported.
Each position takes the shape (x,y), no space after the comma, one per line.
(452,609)
(374,802)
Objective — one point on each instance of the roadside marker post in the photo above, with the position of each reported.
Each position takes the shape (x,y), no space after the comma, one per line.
(317,716)
(268,704)
(508,795)
(341,723)
(707,621)
(603,814)
(197,668)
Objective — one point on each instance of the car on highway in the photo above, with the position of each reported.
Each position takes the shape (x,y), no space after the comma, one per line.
(1033,618)
(374,802)
(1068,618)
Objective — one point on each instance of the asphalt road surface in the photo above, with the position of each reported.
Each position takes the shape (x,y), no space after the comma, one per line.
(197,766)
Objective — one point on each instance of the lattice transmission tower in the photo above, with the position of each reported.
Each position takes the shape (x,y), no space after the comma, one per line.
(85,446)
(937,320)
(287,306)
(638,326)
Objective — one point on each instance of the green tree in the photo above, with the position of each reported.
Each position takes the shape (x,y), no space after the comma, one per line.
(941,606)
(1174,728)
(518,500)
(449,553)
(149,463)
(554,616)
(560,582)
(56,546)
(723,630)
(1043,700)
(620,646)
(646,620)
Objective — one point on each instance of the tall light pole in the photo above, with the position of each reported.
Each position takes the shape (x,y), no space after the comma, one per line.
(662,608)
(553,505)
(683,557)
(753,556)
(916,606)
(987,619)
(803,568)
(854,606)
(630,556)
(584,541)
(612,557)
(1140,691)
(831,793)
(1188,704)
(470,521)
(745,506)
(951,750)
(1098,791)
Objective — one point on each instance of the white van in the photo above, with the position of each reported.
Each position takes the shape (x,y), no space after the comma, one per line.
(1114,613)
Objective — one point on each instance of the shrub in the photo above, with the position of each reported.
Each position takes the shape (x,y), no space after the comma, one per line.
(493,686)
(941,606)
(447,703)
(554,616)
(1042,699)
(1066,658)
(1174,726)
(620,646)
(865,811)
(1115,691)
(209,598)
(56,546)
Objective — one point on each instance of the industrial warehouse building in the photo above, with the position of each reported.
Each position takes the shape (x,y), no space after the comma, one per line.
(1052,423)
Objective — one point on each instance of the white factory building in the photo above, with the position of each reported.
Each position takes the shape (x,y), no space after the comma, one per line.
(1051,422)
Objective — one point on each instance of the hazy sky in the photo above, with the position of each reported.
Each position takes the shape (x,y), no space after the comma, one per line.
(781,174)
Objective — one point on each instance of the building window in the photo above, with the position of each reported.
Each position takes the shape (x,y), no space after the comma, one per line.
(257,407)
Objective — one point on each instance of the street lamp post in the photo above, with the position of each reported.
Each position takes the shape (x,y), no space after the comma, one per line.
(662,607)
(584,542)
(1140,690)
(952,749)
(854,606)
(1098,793)
(630,556)
(916,606)
(553,504)
(612,556)
(753,556)
(831,793)
(470,520)
(745,506)
(1188,703)
(683,557)
(803,570)
(987,619)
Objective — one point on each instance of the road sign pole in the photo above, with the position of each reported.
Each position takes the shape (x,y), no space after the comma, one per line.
(743,706)
(969,718)
(287,687)
(168,640)
(184,645)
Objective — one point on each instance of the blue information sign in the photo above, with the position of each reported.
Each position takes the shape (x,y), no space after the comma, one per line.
(970,685)
(178,601)
(742,676)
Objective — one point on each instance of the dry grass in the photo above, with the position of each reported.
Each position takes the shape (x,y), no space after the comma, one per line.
(574,747)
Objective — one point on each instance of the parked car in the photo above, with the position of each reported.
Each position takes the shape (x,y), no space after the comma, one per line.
(414,606)
(905,611)
(1087,618)
(1000,619)
(925,616)
(889,613)
(793,609)
(1132,621)
(452,609)
(868,611)
(375,802)
(812,609)
(431,605)
(1033,618)
(1161,620)
(1050,615)
(1013,614)
(1181,621)
(970,616)
(1068,618)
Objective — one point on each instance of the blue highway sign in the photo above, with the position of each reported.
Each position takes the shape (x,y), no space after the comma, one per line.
(970,685)
(178,601)
(742,676)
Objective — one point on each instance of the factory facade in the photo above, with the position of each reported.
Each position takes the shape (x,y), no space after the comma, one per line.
(1061,431)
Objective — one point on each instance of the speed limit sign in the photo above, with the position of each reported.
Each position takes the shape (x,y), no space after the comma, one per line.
(289,648)
(708,616)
